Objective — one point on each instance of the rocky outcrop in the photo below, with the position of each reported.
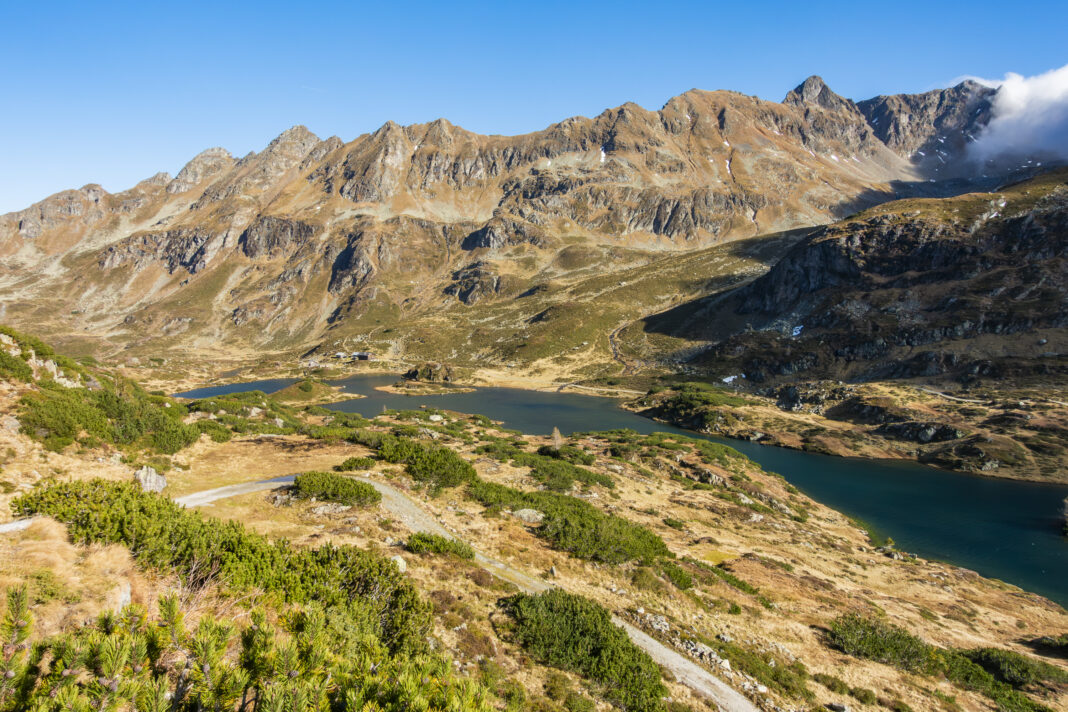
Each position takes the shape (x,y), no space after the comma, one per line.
(270,236)
(150,480)
(920,432)
(182,248)
(430,372)
(473,282)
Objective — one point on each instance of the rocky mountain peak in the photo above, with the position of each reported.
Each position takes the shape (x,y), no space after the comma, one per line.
(206,164)
(296,139)
(159,179)
(815,92)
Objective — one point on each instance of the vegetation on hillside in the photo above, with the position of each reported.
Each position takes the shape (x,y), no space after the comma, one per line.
(304,659)
(997,674)
(576,634)
(363,586)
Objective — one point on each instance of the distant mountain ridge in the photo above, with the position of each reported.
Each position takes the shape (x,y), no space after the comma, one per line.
(278,247)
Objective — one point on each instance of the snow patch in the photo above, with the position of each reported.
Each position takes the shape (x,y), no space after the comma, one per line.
(729,379)
(602,155)
(797,330)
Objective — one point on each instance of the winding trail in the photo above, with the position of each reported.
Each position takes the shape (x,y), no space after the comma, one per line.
(417,519)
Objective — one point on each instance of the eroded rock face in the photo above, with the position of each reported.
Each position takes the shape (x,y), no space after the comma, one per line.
(932,129)
(269,236)
(880,296)
(474,282)
(182,248)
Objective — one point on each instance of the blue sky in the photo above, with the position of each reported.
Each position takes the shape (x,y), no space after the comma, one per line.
(111,92)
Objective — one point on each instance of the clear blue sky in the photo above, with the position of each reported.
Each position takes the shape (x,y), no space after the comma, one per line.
(111,92)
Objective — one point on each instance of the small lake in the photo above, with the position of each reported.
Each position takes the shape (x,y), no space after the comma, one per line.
(271,385)
(1001,528)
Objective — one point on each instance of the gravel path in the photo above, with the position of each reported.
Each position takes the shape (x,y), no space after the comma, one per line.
(417,519)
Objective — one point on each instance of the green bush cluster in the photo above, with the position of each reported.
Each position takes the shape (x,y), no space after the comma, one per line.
(355,463)
(576,526)
(572,454)
(311,660)
(436,466)
(14,368)
(840,687)
(557,473)
(576,634)
(335,488)
(1056,643)
(887,643)
(677,575)
(1015,669)
(423,543)
(163,535)
(119,412)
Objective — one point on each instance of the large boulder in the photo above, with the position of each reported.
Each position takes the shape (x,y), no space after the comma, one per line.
(150,480)
(529,516)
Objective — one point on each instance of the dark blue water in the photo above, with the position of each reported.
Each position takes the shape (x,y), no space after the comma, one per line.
(1001,528)
(270,385)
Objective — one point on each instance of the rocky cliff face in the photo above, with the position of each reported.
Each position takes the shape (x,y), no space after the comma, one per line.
(308,233)
(970,287)
(932,129)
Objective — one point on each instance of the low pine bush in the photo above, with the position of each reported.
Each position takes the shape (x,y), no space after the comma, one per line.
(355,463)
(361,585)
(574,633)
(423,543)
(335,488)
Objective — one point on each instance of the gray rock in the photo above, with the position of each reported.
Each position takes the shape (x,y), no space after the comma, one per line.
(10,423)
(150,480)
(331,508)
(402,565)
(529,516)
(837,707)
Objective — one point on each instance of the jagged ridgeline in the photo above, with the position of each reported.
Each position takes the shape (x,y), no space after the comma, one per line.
(384,235)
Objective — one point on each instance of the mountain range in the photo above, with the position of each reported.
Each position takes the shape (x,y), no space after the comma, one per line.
(315,243)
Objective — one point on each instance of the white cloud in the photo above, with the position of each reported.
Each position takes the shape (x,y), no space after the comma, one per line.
(1030,116)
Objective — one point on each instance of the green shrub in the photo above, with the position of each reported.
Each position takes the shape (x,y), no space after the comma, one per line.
(677,575)
(576,634)
(832,683)
(576,526)
(14,368)
(364,586)
(864,695)
(310,659)
(550,467)
(1015,669)
(335,488)
(567,452)
(887,643)
(423,543)
(355,463)
(216,431)
(674,523)
(1055,643)
(438,467)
